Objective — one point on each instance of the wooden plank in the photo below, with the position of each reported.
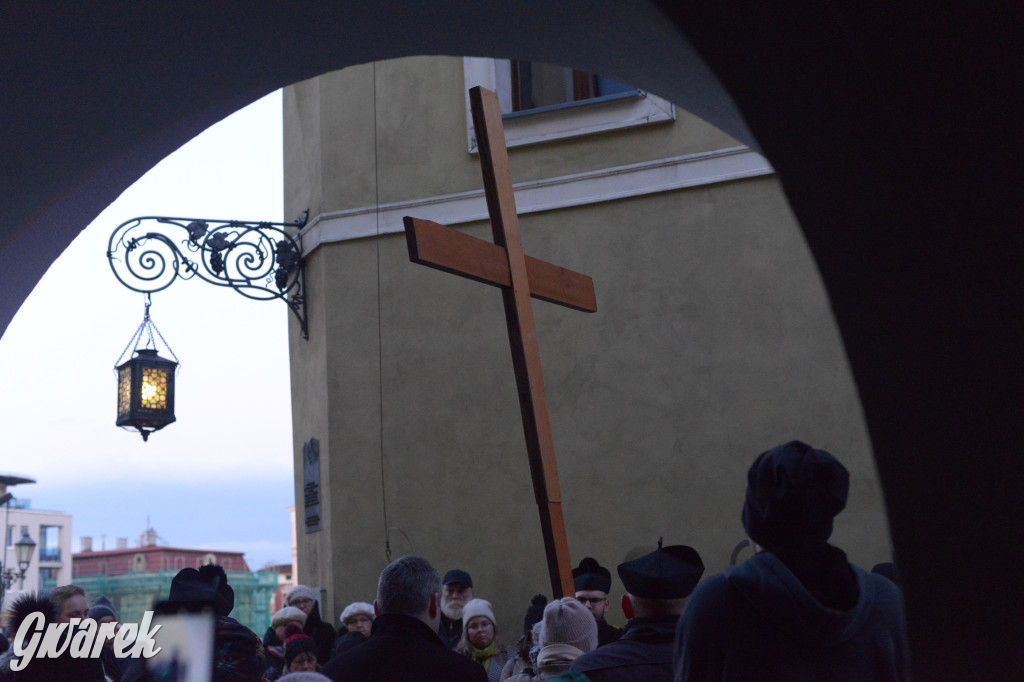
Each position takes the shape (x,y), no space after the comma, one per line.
(455,252)
(523,337)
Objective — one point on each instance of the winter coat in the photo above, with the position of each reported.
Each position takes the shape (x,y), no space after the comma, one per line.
(497,664)
(644,652)
(554,659)
(343,643)
(450,631)
(402,649)
(757,621)
(321,632)
(606,634)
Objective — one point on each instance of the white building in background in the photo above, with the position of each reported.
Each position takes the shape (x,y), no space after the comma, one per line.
(51,530)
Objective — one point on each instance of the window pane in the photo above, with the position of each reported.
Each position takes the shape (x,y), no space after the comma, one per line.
(536,85)
(49,543)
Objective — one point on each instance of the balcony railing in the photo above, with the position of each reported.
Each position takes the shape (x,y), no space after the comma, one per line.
(49,555)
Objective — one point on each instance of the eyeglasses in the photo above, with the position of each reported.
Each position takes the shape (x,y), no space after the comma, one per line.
(593,601)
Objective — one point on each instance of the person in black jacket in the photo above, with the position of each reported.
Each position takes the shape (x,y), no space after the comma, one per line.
(306,600)
(456,591)
(657,585)
(405,646)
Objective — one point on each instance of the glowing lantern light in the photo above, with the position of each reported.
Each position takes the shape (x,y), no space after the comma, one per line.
(145,385)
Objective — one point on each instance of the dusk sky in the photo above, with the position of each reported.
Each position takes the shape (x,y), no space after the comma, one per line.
(220,478)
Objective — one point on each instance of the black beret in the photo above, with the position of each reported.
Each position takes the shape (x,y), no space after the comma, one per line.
(793,493)
(666,573)
(457,576)
(590,575)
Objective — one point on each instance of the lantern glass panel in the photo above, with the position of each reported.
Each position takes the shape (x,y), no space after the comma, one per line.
(124,391)
(153,392)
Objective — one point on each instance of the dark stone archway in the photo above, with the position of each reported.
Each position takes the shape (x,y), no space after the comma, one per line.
(895,135)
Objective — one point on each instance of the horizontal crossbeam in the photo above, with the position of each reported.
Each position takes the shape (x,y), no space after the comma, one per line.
(443,248)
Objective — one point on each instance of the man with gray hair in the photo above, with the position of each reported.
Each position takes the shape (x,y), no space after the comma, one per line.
(405,646)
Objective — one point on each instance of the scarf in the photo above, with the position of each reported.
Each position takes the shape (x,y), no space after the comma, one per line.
(485,656)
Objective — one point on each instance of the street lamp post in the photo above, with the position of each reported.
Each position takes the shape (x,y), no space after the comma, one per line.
(24,548)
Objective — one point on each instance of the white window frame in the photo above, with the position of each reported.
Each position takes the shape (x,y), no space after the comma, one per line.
(582,118)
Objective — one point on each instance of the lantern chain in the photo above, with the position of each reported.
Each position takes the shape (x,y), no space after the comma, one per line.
(149,327)
(137,334)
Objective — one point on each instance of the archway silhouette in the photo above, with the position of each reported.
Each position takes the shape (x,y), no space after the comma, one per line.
(894,135)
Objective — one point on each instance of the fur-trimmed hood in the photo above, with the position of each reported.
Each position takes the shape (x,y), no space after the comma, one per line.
(27,604)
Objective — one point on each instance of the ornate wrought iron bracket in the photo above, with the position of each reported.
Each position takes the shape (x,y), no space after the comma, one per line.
(259,260)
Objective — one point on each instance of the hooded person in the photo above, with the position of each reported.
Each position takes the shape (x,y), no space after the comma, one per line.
(797,610)
(306,599)
(657,585)
(480,638)
(37,669)
(103,611)
(592,583)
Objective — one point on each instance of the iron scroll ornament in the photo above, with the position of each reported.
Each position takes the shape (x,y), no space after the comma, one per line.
(259,260)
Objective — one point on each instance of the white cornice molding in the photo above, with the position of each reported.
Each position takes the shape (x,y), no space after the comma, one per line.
(609,184)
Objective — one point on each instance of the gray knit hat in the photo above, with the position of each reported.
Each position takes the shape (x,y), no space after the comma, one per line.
(567,621)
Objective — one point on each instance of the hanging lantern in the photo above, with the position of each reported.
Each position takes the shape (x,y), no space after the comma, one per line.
(145,384)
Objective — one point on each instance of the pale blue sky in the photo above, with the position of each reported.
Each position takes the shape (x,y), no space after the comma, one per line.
(221,476)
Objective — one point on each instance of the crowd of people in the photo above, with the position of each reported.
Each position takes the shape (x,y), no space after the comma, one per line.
(796,610)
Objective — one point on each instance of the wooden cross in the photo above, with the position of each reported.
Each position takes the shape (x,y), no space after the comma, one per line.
(504,265)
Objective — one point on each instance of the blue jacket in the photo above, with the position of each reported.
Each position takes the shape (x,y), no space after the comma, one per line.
(756,621)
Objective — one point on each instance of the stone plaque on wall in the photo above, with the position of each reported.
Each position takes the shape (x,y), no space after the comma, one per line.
(311,484)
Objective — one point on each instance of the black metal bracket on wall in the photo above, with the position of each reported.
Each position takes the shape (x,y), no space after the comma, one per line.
(260,260)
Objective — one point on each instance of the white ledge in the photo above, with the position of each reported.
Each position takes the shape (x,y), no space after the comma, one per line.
(609,184)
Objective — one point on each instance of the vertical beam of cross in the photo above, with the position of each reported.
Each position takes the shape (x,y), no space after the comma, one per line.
(503,264)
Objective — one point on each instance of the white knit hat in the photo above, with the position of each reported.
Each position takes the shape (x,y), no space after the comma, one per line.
(356,608)
(288,614)
(567,621)
(478,607)
(300,591)
(304,677)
